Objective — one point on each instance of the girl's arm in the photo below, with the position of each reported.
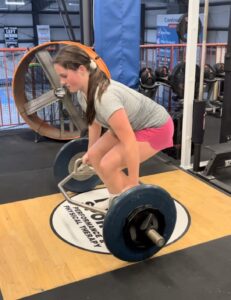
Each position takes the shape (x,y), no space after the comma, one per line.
(121,126)
(94,133)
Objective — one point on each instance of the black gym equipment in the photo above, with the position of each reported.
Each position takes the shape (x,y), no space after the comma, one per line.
(151,81)
(218,169)
(162,73)
(198,131)
(138,222)
(182,28)
(219,69)
(64,165)
(147,80)
(209,74)
(177,79)
(225,133)
(213,82)
(220,75)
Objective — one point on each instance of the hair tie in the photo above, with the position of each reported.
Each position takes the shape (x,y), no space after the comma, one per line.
(93,65)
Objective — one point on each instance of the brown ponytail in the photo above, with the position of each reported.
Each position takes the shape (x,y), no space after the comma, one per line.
(97,79)
(71,57)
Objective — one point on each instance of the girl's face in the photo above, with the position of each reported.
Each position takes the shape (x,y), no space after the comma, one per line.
(73,80)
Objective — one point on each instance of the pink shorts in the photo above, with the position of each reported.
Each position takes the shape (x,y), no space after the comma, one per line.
(159,138)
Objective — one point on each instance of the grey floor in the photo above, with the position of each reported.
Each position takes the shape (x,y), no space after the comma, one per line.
(197,273)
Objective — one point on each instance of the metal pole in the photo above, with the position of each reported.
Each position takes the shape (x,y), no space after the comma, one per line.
(203,50)
(197,146)
(225,132)
(85,21)
(191,52)
(68,20)
(62,17)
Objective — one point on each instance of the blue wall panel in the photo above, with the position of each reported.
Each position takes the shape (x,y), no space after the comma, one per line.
(117,37)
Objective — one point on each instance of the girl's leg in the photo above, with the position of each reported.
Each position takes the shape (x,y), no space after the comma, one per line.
(107,155)
(107,158)
(113,162)
(101,147)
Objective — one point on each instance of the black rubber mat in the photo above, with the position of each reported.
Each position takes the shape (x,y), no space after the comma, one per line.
(20,152)
(26,167)
(27,184)
(200,272)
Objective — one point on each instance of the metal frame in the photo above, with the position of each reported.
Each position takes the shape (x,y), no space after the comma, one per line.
(78,164)
(225,132)
(85,21)
(190,69)
(151,232)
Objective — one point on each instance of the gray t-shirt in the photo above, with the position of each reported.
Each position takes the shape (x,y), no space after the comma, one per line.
(142,111)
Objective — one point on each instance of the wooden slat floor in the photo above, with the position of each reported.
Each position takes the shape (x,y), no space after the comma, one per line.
(33,259)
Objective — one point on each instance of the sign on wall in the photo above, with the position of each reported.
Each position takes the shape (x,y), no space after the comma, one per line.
(11,37)
(167,34)
(43,32)
(166,29)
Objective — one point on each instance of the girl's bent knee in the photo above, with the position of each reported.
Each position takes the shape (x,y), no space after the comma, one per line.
(105,167)
(93,157)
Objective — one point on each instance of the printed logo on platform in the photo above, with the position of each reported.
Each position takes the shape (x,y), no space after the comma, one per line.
(83,228)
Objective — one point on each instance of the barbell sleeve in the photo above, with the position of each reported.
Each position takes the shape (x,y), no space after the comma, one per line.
(155,237)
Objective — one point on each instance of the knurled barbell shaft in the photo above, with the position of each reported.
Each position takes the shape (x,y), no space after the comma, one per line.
(155,237)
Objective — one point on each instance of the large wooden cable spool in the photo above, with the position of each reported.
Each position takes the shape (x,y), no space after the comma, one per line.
(34,84)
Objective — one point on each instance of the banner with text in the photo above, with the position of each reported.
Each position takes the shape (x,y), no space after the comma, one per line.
(11,37)
(43,32)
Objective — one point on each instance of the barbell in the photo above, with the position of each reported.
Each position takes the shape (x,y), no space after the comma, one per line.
(139,221)
(64,164)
